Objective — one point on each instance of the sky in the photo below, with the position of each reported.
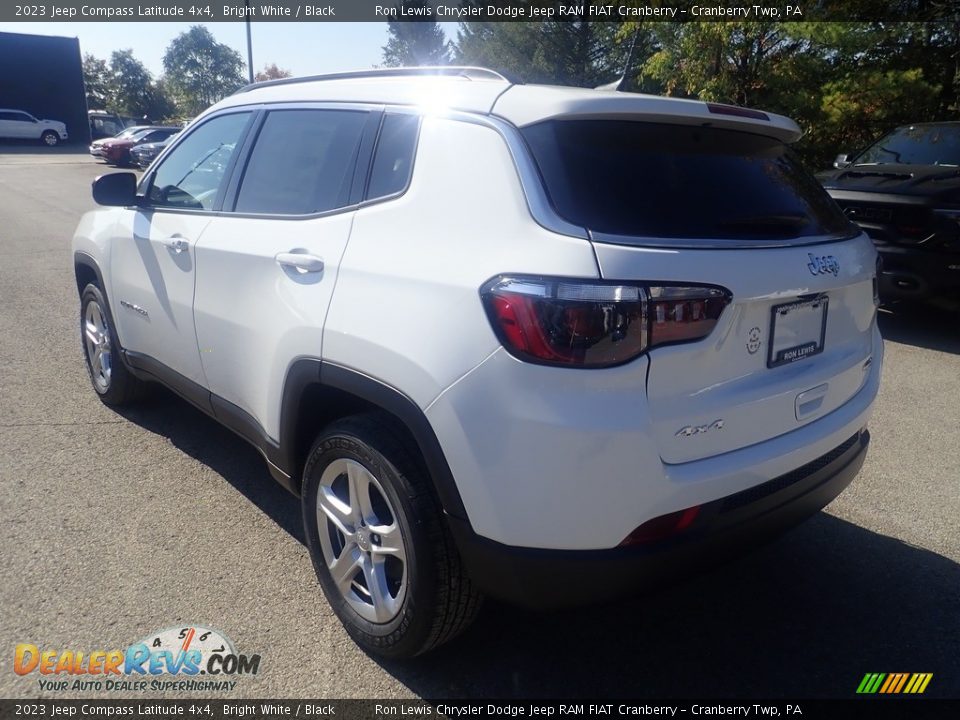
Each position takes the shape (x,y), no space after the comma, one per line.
(303,48)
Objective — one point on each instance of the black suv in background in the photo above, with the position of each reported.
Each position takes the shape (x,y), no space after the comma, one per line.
(904,191)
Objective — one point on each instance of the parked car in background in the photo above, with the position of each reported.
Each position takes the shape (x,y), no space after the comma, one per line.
(104,124)
(96,147)
(21,125)
(904,191)
(116,151)
(142,155)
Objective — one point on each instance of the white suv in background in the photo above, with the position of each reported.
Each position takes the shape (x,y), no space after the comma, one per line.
(546,344)
(21,125)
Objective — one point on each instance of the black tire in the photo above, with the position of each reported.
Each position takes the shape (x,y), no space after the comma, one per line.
(118,386)
(50,138)
(439,600)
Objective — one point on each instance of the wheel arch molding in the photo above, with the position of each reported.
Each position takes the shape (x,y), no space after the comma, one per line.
(85,269)
(317,392)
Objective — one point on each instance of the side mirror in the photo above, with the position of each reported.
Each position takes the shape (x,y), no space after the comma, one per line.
(116,189)
(842,161)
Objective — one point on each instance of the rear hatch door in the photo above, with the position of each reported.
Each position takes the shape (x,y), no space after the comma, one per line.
(675,204)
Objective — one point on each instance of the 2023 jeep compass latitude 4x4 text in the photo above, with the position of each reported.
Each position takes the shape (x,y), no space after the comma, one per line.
(546,344)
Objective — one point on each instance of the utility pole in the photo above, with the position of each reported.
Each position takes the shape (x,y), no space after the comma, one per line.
(249,43)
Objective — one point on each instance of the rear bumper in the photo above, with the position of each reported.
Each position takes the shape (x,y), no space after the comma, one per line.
(723,528)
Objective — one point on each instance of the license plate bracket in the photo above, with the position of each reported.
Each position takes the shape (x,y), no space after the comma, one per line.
(797,330)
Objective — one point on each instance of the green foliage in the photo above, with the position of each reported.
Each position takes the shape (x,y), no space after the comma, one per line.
(857,110)
(844,83)
(200,71)
(415,42)
(125,86)
(581,53)
(96,80)
(133,91)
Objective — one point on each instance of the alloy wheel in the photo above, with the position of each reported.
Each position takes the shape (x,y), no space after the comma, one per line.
(361,541)
(96,336)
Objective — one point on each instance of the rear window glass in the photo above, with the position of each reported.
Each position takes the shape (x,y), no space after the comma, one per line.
(674,181)
(394,157)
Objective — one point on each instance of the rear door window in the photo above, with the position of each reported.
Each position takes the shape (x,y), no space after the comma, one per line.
(674,181)
(302,162)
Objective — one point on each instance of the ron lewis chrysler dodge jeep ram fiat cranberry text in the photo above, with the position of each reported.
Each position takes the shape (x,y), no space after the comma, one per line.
(545,344)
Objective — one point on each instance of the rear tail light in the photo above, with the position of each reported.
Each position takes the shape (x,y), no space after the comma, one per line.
(595,324)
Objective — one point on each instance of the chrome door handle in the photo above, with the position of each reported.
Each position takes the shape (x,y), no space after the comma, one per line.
(178,245)
(301,262)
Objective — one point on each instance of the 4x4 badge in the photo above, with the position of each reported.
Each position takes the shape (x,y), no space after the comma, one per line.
(823,264)
(699,429)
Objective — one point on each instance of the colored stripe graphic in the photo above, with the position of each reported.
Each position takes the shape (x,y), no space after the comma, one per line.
(903,680)
(890,686)
(870,683)
(894,683)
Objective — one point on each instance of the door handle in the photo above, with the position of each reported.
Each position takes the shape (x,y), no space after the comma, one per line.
(300,261)
(177,244)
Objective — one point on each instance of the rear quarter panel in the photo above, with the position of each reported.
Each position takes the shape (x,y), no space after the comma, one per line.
(406,309)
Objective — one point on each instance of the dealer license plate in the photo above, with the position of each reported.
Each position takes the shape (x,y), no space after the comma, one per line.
(797,330)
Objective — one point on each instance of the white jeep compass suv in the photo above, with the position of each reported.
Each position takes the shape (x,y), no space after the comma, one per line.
(546,344)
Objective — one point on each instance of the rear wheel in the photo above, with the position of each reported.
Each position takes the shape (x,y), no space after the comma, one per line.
(111,380)
(384,558)
(49,138)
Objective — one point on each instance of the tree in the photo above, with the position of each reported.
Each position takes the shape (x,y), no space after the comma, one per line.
(126,87)
(272,72)
(582,53)
(201,71)
(415,42)
(96,81)
(722,61)
(131,85)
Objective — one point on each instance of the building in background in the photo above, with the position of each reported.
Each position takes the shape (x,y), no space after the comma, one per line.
(44,76)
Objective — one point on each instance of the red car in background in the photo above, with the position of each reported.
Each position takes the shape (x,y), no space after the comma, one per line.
(97,145)
(116,151)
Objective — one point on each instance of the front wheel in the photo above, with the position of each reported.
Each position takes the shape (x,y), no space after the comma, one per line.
(111,380)
(50,138)
(384,558)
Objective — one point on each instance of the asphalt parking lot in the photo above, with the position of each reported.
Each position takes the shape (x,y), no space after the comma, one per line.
(118,525)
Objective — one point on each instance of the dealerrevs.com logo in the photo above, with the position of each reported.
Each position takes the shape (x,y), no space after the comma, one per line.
(193,658)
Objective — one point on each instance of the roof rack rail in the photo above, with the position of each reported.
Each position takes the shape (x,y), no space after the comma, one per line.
(462,71)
